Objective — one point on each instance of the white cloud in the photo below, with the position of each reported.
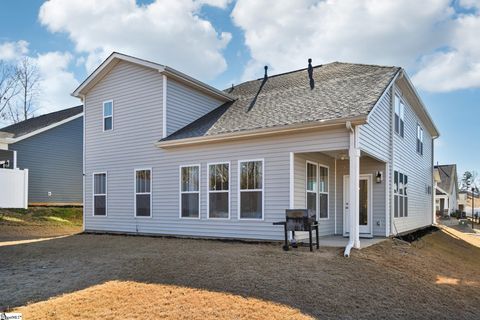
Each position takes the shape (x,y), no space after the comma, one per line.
(457,67)
(12,50)
(168,32)
(426,37)
(56,81)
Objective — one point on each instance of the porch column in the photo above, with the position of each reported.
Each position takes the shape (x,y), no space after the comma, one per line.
(354,155)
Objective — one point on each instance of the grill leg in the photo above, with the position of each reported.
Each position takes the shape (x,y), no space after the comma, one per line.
(316,233)
(310,237)
(285,246)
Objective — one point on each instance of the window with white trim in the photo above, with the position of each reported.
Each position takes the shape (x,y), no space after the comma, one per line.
(419,139)
(100,194)
(323,192)
(399,116)
(143,192)
(190,191)
(251,189)
(400,185)
(312,188)
(108,115)
(218,190)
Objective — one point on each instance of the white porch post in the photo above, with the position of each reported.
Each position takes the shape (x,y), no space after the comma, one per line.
(354,154)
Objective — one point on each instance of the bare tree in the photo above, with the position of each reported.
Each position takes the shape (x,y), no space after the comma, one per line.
(9,88)
(28,80)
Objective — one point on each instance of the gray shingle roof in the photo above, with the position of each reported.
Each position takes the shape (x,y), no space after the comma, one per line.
(342,90)
(36,123)
(448,176)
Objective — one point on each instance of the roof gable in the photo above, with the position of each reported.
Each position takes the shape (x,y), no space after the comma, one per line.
(448,177)
(114,58)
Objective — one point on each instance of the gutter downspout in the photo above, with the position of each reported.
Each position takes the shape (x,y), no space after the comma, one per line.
(354,153)
(84,102)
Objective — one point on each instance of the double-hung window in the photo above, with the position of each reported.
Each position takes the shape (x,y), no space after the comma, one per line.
(400,194)
(108,115)
(312,188)
(419,139)
(399,116)
(323,192)
(143,192)
(218,190)
(317,190)
(100,194)
(190,191)
(251,189)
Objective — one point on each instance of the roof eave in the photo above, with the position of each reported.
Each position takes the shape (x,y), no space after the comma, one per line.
(434,131)
(261,132)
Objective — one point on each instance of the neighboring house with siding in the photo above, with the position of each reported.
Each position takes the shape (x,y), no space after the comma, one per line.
(167,154)
(51,147)
(446,190)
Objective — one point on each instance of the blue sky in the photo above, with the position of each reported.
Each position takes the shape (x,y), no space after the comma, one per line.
(223,42)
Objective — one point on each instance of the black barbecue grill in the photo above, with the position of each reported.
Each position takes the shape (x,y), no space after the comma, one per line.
(299,220)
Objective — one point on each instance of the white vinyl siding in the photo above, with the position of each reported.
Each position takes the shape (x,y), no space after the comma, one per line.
(143,193)
(190,191)
(218,202)
(251,181)
(100,194)
(108,115)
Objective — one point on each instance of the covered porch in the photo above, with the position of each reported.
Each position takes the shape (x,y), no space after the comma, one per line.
(333,183)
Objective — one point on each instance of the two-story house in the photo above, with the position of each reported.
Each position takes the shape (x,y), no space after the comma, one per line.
(167,154)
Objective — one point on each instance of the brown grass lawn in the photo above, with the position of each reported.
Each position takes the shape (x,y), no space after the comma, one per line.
(126,277)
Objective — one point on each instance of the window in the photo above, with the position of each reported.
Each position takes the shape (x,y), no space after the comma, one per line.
(218,190)
(108,115)
(312,188)
(100,194)
(323,192)
(317,190)
(419,139)
(190,191)
(143,192)
(251,189)
(399,116)
(400,181)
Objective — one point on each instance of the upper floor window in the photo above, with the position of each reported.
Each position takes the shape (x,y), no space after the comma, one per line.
(399,116)
(419,139)
(108,115)
(251,189)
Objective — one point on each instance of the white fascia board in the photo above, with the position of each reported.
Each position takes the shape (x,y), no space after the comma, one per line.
(30,134)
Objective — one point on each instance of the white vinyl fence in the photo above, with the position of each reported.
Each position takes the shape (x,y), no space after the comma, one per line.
(13,188)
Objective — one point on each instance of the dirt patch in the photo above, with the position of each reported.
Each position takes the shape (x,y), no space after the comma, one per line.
(434,278)
(158,302)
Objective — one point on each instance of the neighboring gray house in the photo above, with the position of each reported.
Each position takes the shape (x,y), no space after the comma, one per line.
(446,190)
(168,154)
(51,147)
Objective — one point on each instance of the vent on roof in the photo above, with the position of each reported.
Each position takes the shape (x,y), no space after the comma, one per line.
(266,74)
(310,74)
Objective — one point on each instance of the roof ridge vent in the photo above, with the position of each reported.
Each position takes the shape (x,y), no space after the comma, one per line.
(310,74)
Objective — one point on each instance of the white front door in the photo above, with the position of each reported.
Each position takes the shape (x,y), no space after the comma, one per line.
(365,212)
